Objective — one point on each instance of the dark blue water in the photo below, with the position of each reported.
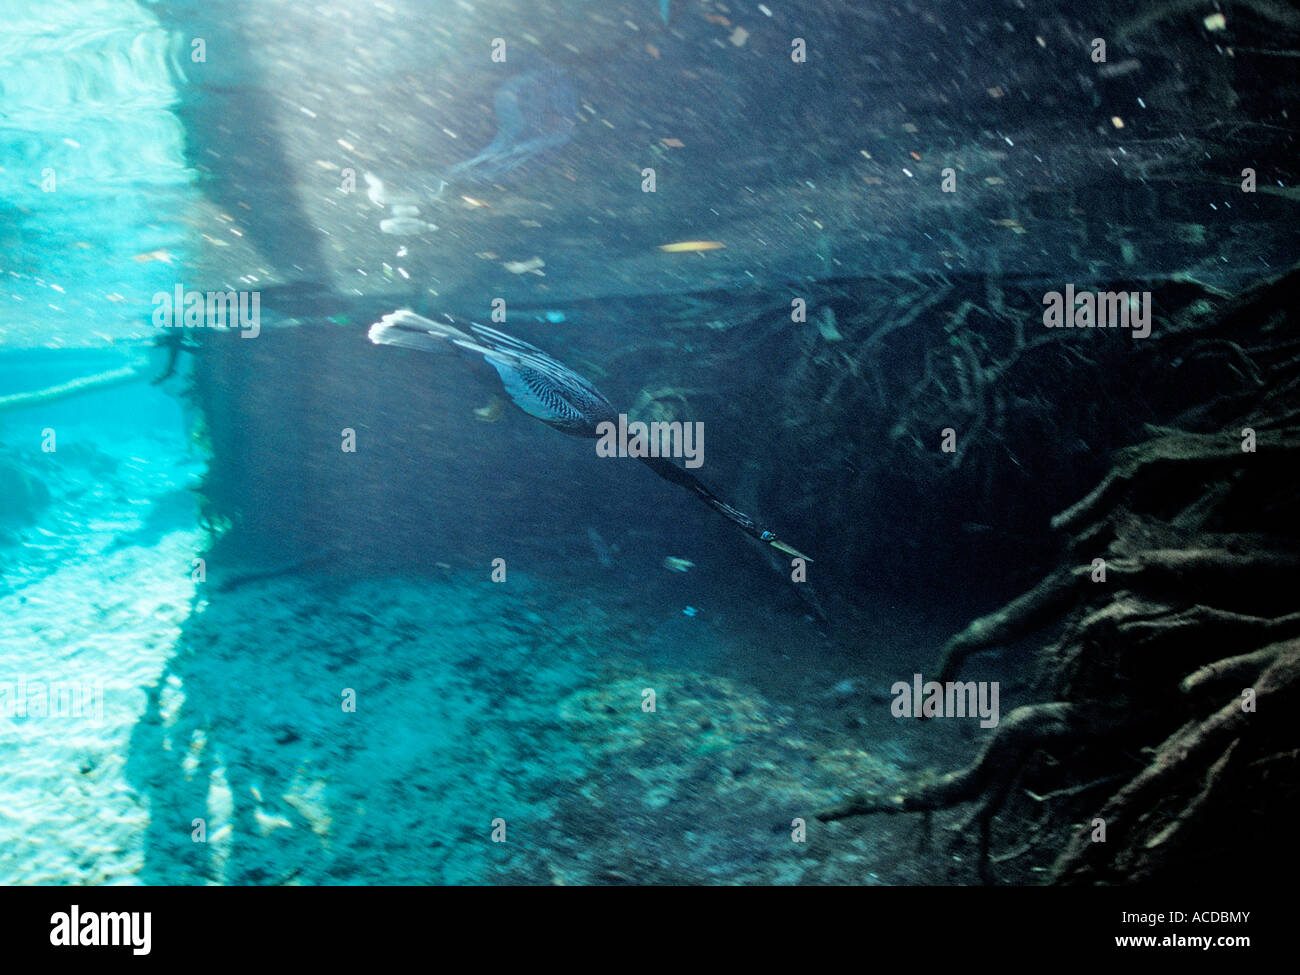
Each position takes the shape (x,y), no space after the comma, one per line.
(340,608)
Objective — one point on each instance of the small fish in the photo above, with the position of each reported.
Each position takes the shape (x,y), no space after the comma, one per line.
(405,226)
(599,546)
(374,189)
(382,195)
(158,255)
(492,412)
(1119,68)
(533,265)
(674,564)
(826,325)
(686,246)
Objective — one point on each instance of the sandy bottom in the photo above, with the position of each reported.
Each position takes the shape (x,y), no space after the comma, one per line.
(448,729)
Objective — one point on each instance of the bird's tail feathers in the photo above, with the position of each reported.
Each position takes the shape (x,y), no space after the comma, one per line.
(408,330)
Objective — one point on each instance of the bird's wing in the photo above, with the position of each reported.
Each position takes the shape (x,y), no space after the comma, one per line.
(533,392)
(527,357)
(539,385)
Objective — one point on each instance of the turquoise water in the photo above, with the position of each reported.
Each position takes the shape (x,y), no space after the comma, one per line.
(301,662)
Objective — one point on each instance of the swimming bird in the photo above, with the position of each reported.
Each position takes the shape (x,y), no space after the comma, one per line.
(545,388)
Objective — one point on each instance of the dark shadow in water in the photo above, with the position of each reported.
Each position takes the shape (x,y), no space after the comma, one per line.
(233,142)
(245,731)
(168,512)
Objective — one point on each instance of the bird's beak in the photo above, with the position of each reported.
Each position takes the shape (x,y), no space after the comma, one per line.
(777,543)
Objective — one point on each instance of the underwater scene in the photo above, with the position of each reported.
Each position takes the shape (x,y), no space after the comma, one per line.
(648,442)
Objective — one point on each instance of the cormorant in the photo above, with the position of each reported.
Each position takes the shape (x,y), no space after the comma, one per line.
(547,389)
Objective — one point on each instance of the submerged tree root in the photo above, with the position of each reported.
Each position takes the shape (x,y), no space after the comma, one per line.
(1167,749)
(1024,728)
(129,373)
(1192,765)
